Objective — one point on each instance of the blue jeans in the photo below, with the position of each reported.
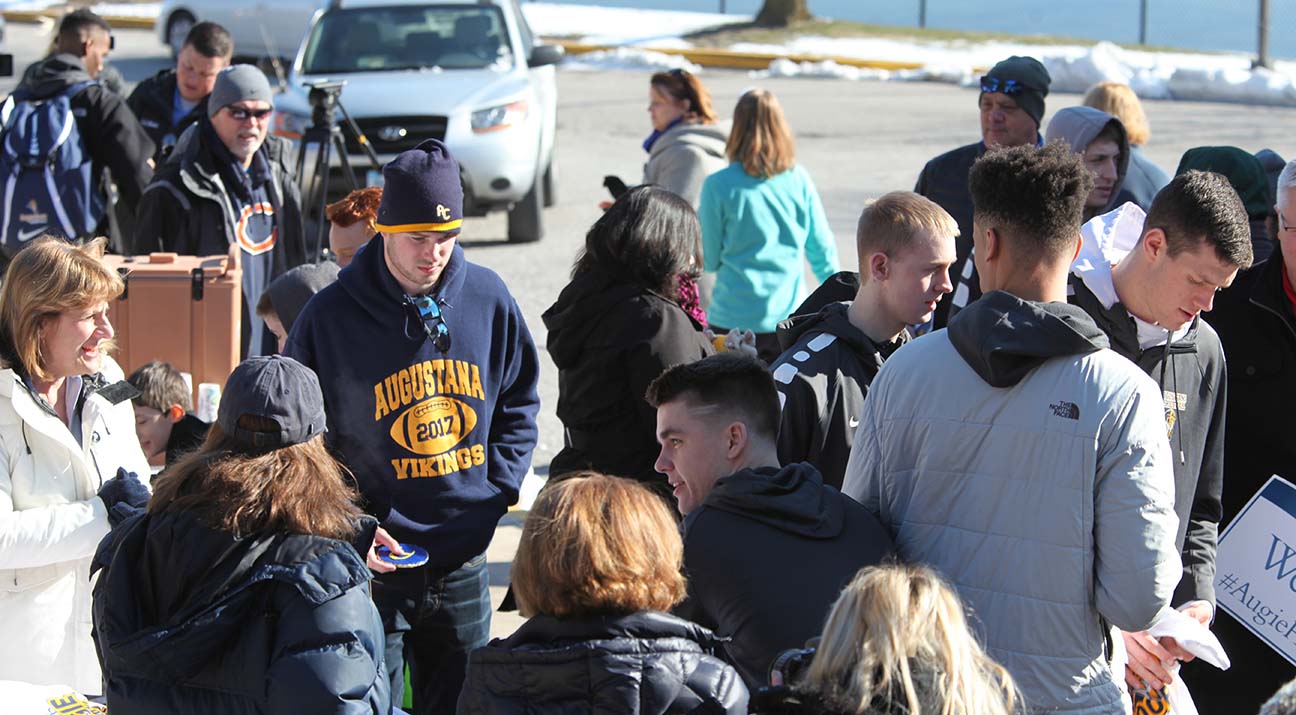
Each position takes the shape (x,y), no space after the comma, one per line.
(433,621)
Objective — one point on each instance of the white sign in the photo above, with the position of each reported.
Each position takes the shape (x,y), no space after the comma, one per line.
(1255,578)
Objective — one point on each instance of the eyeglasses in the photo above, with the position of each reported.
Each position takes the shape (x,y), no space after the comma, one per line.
(433,322)
(241,114)
(1005,86)
(1283,226)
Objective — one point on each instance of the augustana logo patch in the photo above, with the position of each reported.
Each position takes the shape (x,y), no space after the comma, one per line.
(434,417)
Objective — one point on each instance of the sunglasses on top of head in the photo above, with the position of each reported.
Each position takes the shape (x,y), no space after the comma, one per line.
(1005,86)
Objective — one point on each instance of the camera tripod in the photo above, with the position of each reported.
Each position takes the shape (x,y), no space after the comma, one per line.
(326,138)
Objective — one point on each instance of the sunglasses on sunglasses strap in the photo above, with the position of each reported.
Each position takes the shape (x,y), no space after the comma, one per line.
(433,322)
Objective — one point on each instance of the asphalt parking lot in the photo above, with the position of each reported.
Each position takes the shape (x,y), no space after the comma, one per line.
(858,140)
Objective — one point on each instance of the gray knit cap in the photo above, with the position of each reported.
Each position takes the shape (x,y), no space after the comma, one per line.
(238,83)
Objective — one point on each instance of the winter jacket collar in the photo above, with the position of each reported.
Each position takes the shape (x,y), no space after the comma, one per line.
(1003,338)
(658,134)
(1268,294)
(54,74)
(196,160)
(710,138)
(179,589)
(1105,241)
(371,284)
(834,319)
(644,625)
(791,499)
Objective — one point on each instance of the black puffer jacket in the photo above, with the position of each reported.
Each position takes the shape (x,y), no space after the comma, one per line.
(191,620)
(609,339)
(645,663)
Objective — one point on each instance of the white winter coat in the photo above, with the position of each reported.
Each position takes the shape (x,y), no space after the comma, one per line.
(50,524)
(1047,501)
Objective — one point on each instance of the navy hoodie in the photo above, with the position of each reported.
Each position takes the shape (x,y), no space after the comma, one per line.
(438,442)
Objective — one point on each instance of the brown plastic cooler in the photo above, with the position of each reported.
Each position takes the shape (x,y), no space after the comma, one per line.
(185,310)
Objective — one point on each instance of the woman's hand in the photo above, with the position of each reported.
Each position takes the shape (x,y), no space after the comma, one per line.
(382,538)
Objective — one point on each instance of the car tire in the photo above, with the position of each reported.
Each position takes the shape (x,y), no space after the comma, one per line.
(526,218)
(178,27)
(550,185)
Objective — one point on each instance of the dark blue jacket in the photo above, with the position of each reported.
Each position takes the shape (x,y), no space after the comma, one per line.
(192,620)
(439,442)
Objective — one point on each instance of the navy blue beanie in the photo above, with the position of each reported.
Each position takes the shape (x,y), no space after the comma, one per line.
(421,191)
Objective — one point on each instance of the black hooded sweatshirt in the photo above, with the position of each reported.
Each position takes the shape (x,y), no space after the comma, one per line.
(766,554)
(1191,374)
(109,130)
(609,339)
(822,378)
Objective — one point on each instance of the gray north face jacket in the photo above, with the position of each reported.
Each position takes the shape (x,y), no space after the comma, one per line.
(1027,463)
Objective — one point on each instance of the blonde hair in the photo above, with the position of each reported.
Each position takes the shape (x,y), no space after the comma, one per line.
(1120,101)
(891,621)
(596,544)
(897,220)
(46,279)
(760,139)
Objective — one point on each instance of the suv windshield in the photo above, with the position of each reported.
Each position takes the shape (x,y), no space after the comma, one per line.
(367,39)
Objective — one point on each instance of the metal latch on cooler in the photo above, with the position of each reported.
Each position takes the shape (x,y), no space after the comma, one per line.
(196,278)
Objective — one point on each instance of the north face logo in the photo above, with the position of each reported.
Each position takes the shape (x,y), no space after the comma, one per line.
(1065,410)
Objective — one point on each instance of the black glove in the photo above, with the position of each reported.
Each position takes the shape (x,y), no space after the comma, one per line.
(125,488)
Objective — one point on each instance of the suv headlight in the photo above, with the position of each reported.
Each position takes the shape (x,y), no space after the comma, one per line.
(501,117)
(290,126)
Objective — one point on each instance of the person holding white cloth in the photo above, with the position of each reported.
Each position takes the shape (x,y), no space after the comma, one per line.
(68,456)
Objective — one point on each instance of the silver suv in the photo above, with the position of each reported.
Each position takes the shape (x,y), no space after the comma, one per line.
(468,72)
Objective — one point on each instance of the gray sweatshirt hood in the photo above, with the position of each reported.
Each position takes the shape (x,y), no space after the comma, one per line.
(1078,126)
(1003,338)
(710,138)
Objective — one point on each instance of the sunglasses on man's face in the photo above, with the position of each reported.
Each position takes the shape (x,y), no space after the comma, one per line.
(241,114)
(1005,86)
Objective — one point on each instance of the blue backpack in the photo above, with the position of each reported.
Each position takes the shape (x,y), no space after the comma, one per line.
(48,181)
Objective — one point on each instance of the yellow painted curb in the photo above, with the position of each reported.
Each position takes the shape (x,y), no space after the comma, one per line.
(123,22)
(744,60)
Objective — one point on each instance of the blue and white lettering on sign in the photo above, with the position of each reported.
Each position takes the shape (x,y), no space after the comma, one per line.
(1255,577)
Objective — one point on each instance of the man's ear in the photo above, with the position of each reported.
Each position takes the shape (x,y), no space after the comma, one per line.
(1154,243)
(175,413)
(736,439)
(879,266)
(993,245)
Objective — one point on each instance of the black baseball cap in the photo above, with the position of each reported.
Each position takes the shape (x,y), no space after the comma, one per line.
(274,388)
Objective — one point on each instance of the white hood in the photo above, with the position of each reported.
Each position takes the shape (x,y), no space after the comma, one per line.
(1106,240)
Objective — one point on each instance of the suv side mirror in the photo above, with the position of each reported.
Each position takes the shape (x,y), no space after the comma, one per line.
(543,55)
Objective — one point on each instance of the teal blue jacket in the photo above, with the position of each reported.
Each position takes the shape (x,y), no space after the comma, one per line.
(755,233)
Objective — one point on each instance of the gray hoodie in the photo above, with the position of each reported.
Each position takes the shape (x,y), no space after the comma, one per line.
(1078,127)
(685,155)
(1025,461)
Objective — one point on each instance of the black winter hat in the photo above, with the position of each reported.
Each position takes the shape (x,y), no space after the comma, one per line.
(1032,83)
(421,191)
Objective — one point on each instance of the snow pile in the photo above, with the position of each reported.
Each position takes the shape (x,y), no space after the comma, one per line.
(146,10)
(627,58)
(595,25)
(1074,68)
